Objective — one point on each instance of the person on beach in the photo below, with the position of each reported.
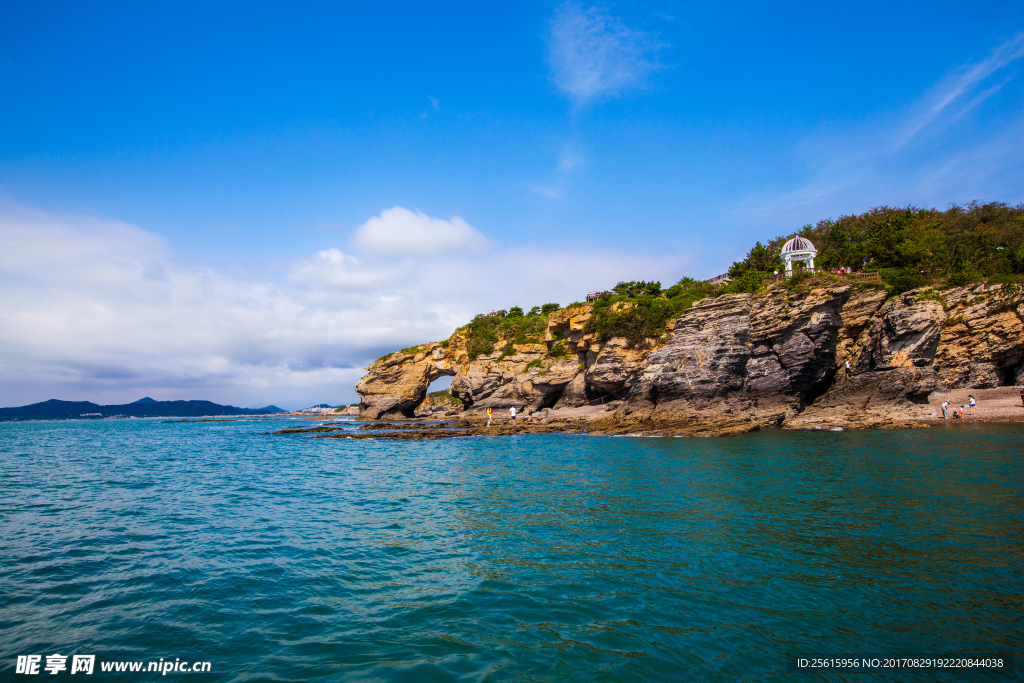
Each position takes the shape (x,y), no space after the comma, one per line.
(512,412)
(972,403)
(945,410)
(489,411)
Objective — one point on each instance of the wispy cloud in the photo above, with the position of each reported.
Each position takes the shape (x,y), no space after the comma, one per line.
(964,81)
(549,191)
(435,105)
(570,158)
(98,309)
(928,154)
(593,54)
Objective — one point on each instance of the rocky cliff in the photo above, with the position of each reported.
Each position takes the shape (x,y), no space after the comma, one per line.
(734,363)
(567,368)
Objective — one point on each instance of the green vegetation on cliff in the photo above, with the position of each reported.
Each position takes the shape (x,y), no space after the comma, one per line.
(513,326)
(910,247)
(640,310)
(442,398)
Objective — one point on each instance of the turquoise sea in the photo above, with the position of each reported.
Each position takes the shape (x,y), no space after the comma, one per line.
(526,558)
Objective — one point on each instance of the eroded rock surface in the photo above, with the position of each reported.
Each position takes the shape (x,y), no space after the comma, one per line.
(982,344)
(892,374)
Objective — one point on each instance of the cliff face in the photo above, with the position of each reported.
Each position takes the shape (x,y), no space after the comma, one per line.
(737,362)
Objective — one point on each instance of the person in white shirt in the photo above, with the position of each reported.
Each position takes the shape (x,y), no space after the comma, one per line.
(512,412)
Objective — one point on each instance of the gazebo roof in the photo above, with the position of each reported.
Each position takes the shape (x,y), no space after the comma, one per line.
(798,245)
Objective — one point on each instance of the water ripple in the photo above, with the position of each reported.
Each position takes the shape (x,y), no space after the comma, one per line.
(533,558)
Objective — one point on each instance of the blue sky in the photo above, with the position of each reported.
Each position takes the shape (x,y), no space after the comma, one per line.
(248,202)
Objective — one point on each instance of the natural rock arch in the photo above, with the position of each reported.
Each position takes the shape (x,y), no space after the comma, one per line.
(396,384)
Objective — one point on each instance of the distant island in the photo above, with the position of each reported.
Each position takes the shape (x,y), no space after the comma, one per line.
(144,407)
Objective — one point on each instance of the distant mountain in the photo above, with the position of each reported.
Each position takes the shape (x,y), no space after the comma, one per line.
(147,399)
(147,407)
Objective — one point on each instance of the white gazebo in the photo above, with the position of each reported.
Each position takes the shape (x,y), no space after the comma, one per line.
(798,249)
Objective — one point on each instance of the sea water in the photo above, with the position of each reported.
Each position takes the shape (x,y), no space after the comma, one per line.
(525,558)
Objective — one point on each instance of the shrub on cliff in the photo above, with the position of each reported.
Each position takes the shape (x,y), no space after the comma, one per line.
(545,309)
(639,314)
(484,332)
(902,280)
(633,289)
(760,262)
(442,398)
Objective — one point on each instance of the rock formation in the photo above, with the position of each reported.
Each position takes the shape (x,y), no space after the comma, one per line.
(734,363)
(398,382)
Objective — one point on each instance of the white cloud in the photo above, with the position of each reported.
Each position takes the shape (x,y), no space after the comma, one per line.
(331,269)
(401,232)
(593,54)
(97,309)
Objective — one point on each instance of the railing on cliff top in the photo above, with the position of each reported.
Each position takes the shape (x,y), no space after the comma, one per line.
(862,277)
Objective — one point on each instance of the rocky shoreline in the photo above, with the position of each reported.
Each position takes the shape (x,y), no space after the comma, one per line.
(728,365)
(541,424)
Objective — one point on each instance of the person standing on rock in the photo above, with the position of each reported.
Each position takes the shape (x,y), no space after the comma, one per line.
(512,412)
(945,410)
(972,403)
(846,366)
(1022,397)
(489,411)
